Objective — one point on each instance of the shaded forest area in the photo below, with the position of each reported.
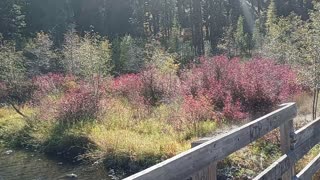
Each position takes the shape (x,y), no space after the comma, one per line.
(207,26)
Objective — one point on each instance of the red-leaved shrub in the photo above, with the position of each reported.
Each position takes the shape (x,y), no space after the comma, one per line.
(159,87)
(78,104)
(66,99)
(49,82)
(52,84)
(235,88)
(150,87)
(130,87)
(197,108)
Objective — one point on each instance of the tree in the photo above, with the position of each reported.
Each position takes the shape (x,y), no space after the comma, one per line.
(271,17)
(197,27)
(12,21)
(310,41)
(40,55)
(215,22)
(258,34)
(70,51)
(131,55)
(241,38)
(51,17)
(87,57)
(138,19)
(16,89)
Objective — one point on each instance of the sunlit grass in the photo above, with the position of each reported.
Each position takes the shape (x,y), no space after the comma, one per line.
(10,123)
(123,137)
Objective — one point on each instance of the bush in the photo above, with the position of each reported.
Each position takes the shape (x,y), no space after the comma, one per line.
(49,83)
(78,104)
(235,88)
(17,93)
(150,87)
(266,84)
(159,87)
(130,87)
(197,108)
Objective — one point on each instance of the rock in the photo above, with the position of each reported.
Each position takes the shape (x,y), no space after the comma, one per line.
(8,152)
(73,176)
(60,163)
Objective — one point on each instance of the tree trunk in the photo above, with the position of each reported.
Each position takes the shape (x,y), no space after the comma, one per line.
(197,28)
(18,111)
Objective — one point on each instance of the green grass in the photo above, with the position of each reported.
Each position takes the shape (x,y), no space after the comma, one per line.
(130,139)
(123,138)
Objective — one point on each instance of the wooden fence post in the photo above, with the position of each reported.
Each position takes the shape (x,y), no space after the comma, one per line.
(208,173)
(286,139)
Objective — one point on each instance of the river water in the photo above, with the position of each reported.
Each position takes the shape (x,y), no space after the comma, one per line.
(16,165)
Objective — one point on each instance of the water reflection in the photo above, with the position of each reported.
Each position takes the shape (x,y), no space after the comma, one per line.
(18,165)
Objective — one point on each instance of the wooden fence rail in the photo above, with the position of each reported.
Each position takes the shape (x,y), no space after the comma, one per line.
(200,161)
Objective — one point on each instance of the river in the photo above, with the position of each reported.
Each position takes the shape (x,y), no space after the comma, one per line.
(16,165)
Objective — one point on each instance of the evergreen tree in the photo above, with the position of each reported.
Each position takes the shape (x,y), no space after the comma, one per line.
(131,55)
(12,21)
(197,27)
(258,34)
(70,51)
(271,17)
(116,64)
(241,37)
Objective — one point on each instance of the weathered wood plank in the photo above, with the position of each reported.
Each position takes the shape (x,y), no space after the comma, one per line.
(200,141)
(195,159)
(310,169)
(275,170)
(208,173)
(307,131)
(303,146)
(286,133)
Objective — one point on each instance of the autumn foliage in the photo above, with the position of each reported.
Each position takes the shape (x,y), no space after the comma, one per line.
(214,88)
(237,88)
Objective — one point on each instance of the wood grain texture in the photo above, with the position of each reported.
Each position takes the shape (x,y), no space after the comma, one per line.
(305,142)
(310,169)
(307,132)
(195,159)
(208,173)
(286,132)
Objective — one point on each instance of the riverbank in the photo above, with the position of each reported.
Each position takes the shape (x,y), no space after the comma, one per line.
(126,146)
(116,141)
(25,164)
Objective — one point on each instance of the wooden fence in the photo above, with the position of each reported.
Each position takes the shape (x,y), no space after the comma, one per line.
(200,161)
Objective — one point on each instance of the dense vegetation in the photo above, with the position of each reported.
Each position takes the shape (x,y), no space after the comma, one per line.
(130,83)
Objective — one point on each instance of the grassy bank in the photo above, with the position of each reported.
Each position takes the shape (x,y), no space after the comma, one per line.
(126,145)
(121,139)
(125,141)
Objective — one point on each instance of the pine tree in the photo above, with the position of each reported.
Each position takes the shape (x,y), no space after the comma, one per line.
(241,37)
(271,17)
(197,27)
(257,36)
(131,55)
